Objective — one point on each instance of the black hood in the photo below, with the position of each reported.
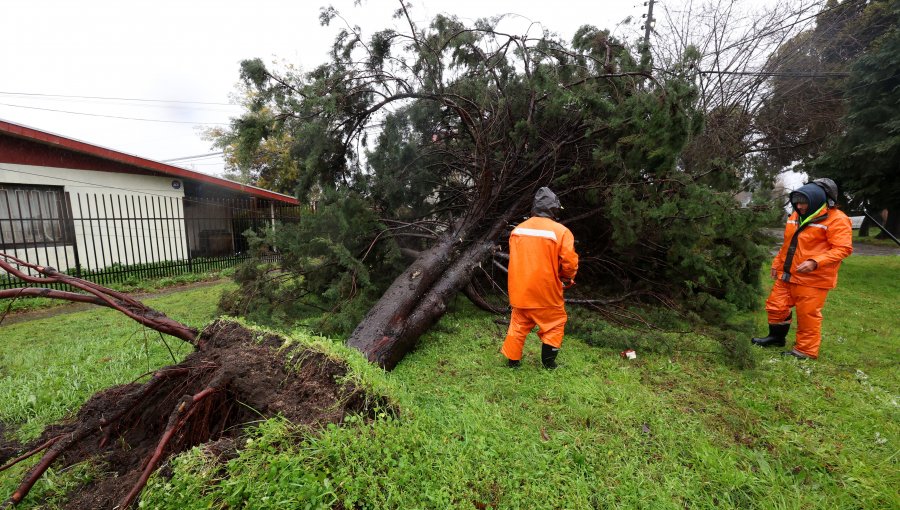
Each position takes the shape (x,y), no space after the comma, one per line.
(545,204)
(814,194)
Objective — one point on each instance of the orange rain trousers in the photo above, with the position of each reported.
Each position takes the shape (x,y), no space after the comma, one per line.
(808,302)
(551,321)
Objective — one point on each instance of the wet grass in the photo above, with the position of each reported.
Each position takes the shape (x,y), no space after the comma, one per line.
(51,366)
(667,430)
(671,429)
(870,239)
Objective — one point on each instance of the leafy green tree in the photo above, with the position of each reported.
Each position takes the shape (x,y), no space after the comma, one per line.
(429,145)
(865,159)
(802,114)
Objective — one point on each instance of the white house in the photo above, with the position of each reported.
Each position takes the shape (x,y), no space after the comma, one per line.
(84,208)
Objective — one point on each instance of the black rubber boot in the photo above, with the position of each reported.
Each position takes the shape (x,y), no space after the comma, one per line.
(514,363)
(777,334)
(548,356)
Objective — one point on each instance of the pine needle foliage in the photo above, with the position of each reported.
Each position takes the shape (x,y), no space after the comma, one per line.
(404,139)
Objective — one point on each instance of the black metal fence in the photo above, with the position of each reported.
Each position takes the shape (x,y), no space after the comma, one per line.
(114,238)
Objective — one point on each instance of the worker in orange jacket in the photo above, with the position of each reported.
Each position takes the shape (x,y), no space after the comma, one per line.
(817,238)
(542,262)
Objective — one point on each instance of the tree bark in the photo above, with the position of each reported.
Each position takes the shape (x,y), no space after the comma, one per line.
(864,227)
(891,224)
(420,296)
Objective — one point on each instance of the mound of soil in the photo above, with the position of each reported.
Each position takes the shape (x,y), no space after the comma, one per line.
(234,378)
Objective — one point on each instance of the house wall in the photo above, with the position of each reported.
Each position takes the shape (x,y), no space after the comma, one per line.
(117,217)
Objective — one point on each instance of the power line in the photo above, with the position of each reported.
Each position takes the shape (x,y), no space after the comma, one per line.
(115,98)
(113,116)
(199,156)
(777,74)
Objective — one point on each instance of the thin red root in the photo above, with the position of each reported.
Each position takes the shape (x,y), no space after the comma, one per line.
(38,471)
(187,406)
(39,449)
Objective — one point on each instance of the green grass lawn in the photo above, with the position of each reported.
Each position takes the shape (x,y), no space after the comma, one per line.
(870,239)
(49,367)
(133,285)
(671,429)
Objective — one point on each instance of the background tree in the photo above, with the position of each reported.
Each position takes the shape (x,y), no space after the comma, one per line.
(737,44)
(802,109)
(865,158)
(427,146)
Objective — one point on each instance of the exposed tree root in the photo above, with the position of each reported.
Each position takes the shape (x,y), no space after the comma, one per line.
(30,454)
(234,379)
(92,293)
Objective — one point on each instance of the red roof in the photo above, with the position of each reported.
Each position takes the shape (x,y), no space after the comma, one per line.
(128,160)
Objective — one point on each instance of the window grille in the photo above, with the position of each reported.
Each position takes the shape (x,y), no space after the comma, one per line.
(32,215)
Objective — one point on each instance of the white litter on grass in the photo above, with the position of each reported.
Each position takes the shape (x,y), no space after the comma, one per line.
(880,394)
(879,439)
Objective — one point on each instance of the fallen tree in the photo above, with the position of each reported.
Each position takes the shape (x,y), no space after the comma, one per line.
(233,377)
(419,150)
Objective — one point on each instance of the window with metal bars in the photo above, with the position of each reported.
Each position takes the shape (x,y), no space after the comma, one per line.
(33,216)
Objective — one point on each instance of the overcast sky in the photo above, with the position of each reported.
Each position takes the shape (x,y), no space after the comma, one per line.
(187,54)
(170,67)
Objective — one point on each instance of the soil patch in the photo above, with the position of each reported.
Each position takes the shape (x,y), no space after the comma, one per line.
(236,377)
(9,447)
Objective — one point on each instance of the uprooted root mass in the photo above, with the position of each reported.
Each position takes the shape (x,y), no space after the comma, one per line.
(234,378)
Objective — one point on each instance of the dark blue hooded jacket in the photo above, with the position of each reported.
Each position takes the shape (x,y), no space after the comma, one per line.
(814,195)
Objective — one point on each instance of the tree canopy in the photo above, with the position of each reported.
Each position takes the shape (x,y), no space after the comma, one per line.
(865,159)
(833,100)
(421,150)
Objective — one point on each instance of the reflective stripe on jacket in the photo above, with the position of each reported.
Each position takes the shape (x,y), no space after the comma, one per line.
(541,252)
(827,238)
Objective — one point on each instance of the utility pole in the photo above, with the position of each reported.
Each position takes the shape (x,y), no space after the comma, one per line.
(648,25)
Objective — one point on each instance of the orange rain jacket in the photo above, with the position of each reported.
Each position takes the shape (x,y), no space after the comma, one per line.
(541,252)
(827,239)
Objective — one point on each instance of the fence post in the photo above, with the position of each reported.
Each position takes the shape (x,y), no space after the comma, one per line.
(187,234)
(70,224)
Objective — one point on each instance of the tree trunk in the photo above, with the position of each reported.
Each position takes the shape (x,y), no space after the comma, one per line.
(419,296)
(891,224)
(387,318)
(429,308)
(864,228)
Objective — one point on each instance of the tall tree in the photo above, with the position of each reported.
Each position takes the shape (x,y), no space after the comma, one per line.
(819,86)
(739,45)
(429,144)
(865,159)
(801,114)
